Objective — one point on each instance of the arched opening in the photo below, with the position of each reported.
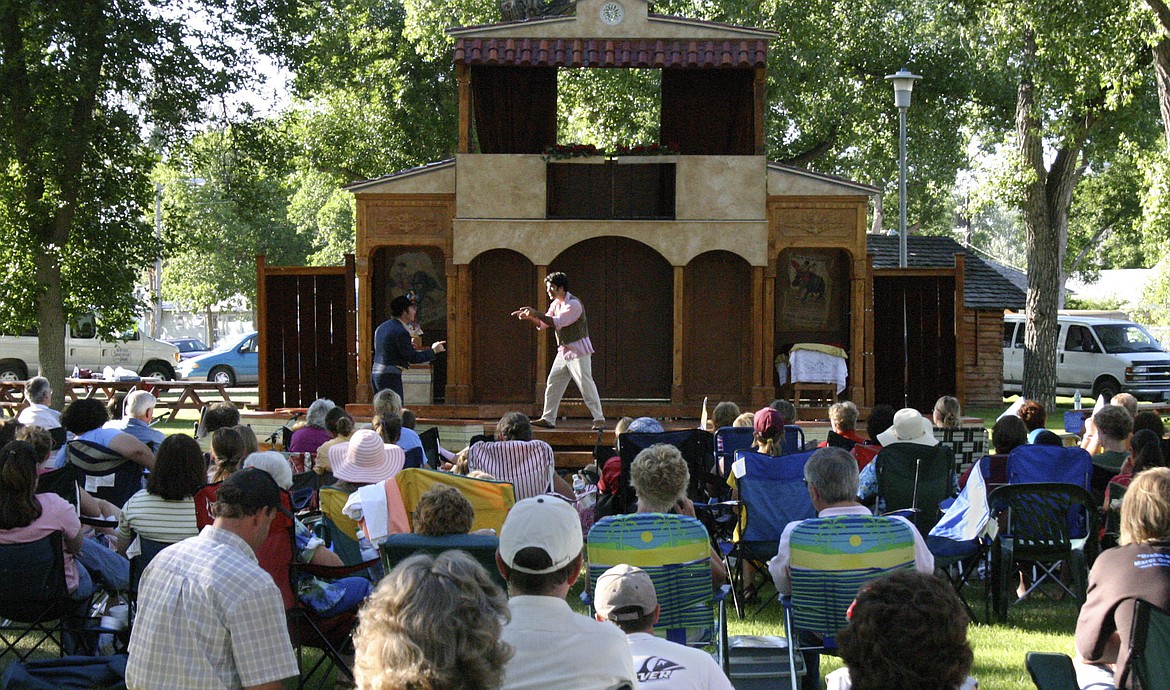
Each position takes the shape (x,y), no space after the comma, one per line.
(628,292)
(717,326)
(396,270)
(503,354)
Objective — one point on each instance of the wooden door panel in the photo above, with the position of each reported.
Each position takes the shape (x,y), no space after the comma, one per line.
(503,352)
(628,292)
(925,307)
(717,326)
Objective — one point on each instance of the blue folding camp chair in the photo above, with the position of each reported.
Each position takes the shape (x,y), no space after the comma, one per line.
(674,551)
(830,559)
(1033,463)
(772,494)
(793,439)
(698,449)
(729,439)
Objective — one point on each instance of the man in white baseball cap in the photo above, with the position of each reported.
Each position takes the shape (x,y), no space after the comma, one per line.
(626,597)
(540,557)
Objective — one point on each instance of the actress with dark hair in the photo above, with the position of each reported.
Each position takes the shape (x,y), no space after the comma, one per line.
(906,630)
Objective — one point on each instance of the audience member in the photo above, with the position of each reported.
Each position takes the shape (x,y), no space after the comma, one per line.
(1138,568)
(626,598)
(1034,416)
(387,402)
(540,559)
(1009,433)
(660,476)
(1149,419)
(881,417)
(35,436)
(831,477)
(137,416)
(251,443)
(8,429)
(218,416)
(768,426)
(326,598)
(947,413)
(39,395)
(645,425)
(1126,401)
(87,505)
(85,419)
(1046,437)
(786,409)
(165,510)
(1112,428)
(309,437)
(909,426)
(365,459)
(843,420)
(208,615)
(1147,453)
(409,420)
(529,465)
(434,622)
(724,414)
(745,419)
(340,427)
(906,630)
(227,452)
(27,516)
(442,510)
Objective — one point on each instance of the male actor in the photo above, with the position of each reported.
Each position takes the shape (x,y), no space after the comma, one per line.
(393,350)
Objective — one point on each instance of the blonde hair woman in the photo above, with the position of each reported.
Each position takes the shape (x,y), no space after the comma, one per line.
(433,622)
(1138,568)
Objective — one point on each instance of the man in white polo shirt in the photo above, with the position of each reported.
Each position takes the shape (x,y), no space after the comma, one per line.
(540,557)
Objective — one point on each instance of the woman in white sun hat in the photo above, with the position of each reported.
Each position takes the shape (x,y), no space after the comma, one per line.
(909,427)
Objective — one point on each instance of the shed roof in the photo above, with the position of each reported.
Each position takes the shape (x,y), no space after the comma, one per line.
(983,286)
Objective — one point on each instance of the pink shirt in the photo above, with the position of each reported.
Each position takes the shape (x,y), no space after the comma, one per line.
(564,312)
(56,516)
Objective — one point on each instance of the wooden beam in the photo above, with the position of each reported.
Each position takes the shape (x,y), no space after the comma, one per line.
(542,340)
(459,329)
(960,342)
(676,388)
(351,341)
(262,332)
(760,96)
(463,78)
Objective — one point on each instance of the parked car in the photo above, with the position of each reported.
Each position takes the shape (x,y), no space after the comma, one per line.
(1096,356)
(189,347)
(86,349)
(237,361)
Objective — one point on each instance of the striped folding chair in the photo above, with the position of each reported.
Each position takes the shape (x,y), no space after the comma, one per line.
(675,552)
(830,559)
(528,465)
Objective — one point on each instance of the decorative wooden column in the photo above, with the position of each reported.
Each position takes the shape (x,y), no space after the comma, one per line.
(542,340)
(463,79)
(677,392)
(365,320)
(459,389)
(763,336)
(760,96)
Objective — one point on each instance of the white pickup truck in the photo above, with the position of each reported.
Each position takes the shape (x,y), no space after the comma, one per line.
(84,349)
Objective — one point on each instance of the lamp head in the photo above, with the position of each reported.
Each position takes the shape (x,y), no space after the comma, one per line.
(903,81)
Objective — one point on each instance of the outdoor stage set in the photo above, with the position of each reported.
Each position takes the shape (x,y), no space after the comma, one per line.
(700,265)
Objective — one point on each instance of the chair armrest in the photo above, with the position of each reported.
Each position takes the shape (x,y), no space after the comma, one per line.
(1051,671)
(332,572)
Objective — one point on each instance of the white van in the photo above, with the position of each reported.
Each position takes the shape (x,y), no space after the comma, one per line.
(1094,355)
(84,349)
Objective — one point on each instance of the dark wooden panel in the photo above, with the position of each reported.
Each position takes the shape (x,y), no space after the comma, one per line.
(914,348)
(503,349)
(627,289)
(717,326)
(579,190)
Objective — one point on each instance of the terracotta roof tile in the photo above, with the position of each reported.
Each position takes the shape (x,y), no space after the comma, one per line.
(597,52)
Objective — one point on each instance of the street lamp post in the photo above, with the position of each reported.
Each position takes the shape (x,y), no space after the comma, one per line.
(903,81)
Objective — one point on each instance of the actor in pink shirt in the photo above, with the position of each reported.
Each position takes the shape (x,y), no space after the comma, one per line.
(566,314)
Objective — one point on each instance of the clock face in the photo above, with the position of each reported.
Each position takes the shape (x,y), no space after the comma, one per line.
(613,13)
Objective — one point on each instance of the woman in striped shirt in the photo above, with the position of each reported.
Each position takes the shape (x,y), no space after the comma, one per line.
(165,510)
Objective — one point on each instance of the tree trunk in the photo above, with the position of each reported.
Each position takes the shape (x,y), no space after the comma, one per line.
(1161,51)
(51,326)
(1046,202)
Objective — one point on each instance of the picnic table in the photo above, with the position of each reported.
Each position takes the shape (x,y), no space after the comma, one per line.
(187,392)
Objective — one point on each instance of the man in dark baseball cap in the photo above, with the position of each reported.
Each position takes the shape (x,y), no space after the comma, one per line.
(208,614)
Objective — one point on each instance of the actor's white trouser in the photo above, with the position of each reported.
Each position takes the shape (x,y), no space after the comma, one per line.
(580,370)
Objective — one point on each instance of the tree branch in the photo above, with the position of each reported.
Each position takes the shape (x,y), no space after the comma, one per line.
(813,152)
(1092,243)
(1161,12)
